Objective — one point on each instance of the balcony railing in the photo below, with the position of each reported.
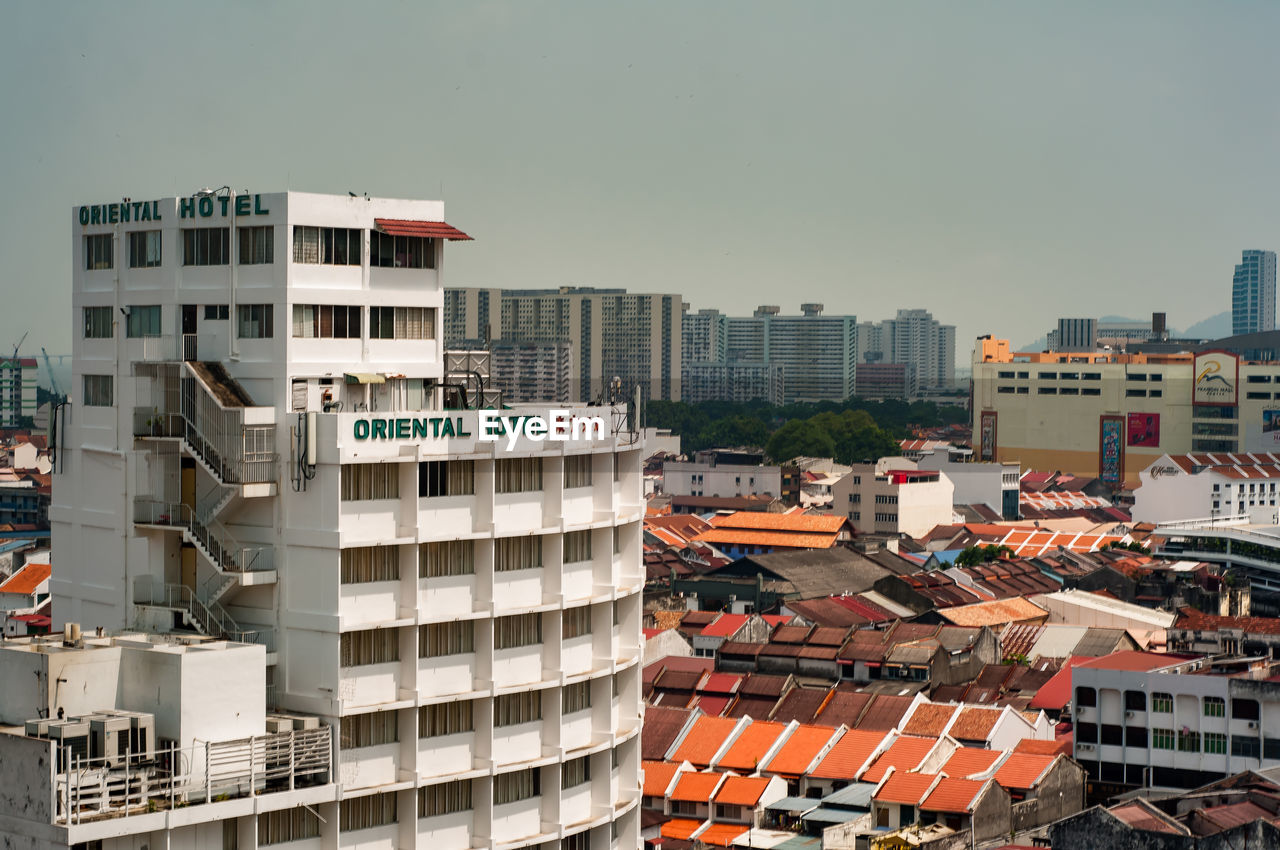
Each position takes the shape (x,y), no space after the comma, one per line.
(116,787)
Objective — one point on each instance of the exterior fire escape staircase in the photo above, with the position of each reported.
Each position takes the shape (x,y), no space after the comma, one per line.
(212,418)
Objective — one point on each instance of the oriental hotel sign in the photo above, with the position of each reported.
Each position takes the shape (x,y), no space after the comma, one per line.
(491,426)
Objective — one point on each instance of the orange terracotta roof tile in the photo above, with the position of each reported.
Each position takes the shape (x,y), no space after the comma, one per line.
(741,790)
(953,796)
(750,747)
(680,829)
(1043,748)
(929,719)
(1022,770)
(818,523)
(974,724)
(905,753)
(27,579)
(695,787)
(848,755)
(721,834)
(797,754)
(657,777)
(704,739)
(966,761)
(767,538)
(905,788)
(994,613)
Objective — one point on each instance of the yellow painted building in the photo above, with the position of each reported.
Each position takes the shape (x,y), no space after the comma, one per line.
(1112,415)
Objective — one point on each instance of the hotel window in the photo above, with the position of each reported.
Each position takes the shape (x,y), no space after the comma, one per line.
(98,391)
(582,840)
(446,558)
(144,320)
(514,709)
(98,323)
(370,563)
(1091,391)
(326,321)
(1047,391)
(1215,707)
(577,546)
(512,787)
(577,622)
(577,471)
(446,718)
(517,553)
(575,698)
(1215,743)
(257,245)
(144,249)
(365,481)
(216,312)
(369,730)
(1005,375)
(287,825)
(330,246)
(1188,741)
(1004,390)
(206,246)
(724,812)
(254,321)
(1086,696)
(517,630)
(401,252)
(518,474)
(446,478)
(356,813)
(444,799)
(402,323)
(436,640)
(1162,739)
(98,252)
(575,772)
(371,646)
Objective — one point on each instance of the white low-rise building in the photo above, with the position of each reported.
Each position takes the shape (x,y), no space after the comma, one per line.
(1147,719)
(119,739)
(267,442)
(1189,486)
(892,496)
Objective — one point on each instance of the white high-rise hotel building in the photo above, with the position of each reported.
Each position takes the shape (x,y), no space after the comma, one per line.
(264,444)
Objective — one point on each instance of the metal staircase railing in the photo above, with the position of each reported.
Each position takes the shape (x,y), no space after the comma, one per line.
(221,549)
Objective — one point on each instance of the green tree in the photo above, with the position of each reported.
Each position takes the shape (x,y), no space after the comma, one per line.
(799,437)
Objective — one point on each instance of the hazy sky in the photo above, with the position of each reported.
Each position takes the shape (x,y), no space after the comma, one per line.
(1000,164)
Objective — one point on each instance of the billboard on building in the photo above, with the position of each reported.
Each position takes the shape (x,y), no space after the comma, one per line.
(1111,449)
(1269,440)
(987,437)
(1217,377)
(1144,430)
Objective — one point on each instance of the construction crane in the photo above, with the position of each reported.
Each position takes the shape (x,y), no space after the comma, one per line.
(19,345)
(53,381)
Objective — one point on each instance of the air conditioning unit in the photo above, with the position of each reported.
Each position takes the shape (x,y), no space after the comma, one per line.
(109,737)
(1128,712)
(1086,746)
(1253,724)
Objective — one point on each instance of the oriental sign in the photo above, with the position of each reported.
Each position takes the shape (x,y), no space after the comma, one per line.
(492,426)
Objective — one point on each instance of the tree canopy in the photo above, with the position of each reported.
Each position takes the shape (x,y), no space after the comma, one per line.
(850,431)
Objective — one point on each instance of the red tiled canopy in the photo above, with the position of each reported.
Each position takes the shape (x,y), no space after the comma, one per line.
(433,229)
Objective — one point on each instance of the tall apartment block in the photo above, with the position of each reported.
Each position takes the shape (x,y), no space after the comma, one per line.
(267,444)
(809,357)
(17,390)
(1253,293)
(914,338)
(634,338)
(1077,335)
